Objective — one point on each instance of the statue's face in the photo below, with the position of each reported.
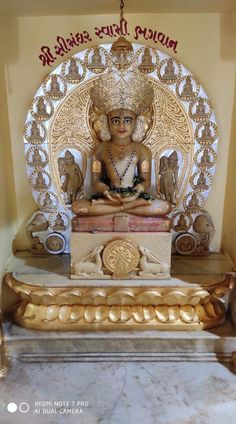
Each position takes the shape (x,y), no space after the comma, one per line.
(69,160)
(121,123)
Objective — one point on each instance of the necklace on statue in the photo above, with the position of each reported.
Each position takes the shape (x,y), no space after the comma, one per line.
(120,150)
(120,176)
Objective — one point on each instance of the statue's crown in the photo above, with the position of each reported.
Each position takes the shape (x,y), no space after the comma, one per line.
(129,90)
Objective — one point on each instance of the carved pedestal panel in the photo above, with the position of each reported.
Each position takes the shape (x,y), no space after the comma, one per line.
(120,255)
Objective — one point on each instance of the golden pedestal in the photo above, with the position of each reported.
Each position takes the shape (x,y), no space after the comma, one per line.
(40,295)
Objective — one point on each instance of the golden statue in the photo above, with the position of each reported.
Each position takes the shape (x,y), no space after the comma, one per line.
(121,165)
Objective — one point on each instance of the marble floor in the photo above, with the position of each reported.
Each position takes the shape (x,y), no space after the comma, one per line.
(115,393)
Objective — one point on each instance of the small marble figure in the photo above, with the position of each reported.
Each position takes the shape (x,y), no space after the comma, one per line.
(173,163)
(193,202)
(204,227)
(40,182)
(54,87)
(205,158)
(91,264)
(181,224)
(147,64)
(41,109)
(169,72)
(48,202)
(36,158)
(59,224)
(206,133)
(35,133)
(73,70)
(37,246)
(200,108)
(188,87)
(38,223)
(169,177)
(150,265)
(96,60)
(201,181)
(73,179)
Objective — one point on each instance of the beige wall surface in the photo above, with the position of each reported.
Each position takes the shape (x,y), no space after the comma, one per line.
(228,48)
(203,47)
(229,223)
(7,187)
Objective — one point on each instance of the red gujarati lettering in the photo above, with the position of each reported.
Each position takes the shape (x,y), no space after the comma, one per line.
(46,57)
(150,34)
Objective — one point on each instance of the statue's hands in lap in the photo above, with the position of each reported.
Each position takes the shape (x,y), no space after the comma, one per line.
(131,198)
(119,198)
(113,197)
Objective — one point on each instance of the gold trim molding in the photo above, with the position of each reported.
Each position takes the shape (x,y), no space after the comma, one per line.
(3,361)
(119,308)
(119,317)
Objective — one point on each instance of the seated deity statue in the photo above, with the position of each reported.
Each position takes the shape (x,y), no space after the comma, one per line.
(36,158)
(54,87)
(40,181)
(34,133)
(206,133)
(169,72)
(48,203)
(200,108)
(96,61)
(41,109)
(193,202)
(205,158)
(201,181)
(73,70)
(182,223)
(121,164)
(188,87)
(59,223)
(147,63)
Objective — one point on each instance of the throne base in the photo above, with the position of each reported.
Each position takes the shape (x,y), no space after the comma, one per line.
(45,299)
